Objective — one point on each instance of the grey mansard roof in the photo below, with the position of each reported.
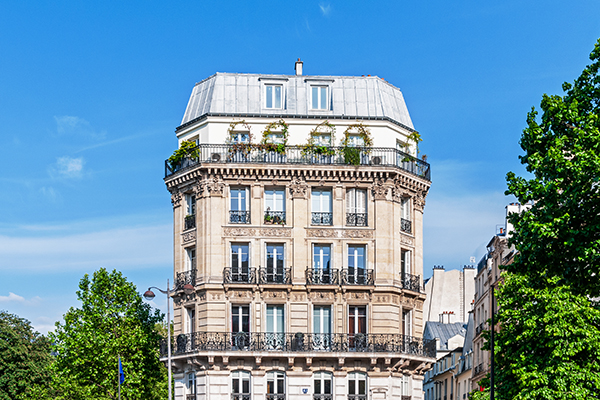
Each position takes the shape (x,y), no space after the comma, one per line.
(241,95)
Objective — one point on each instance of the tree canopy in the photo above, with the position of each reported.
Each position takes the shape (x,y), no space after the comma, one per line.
(112,322)
(549,338)
(24,357)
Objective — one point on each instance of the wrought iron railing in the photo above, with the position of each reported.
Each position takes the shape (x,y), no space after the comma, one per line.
(240,396)
(275,396)
(478,369)
(275,217)
(190,221)
(479,329)
(345,276)
(411,282)
(300,342)
(357,397)
(185,278)
(225,153)
(322,396)
(325,276)
(405,397)
(322,218)
(405,225)
(260,275)
(239,217)
(356,219)
(356,276)
(190,397)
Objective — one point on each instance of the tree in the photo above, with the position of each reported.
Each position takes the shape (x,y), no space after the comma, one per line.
(24,357)
(548,346)
(112,322)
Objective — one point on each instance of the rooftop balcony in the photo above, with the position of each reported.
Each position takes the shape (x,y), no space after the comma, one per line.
(253,154)
(299,343)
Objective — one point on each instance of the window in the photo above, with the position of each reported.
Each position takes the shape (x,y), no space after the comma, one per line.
(322,327)
(240,326)
(275,137)
(191,385)
(190,259)
(239,137)
(275,272)
(190,322)
(322,139)
(240,385)
(319,97)
(240,263)
(274,206)
(275,385)
(357,274)
(357,386)
(273,95)
(407,322)
(357,326)
(190,218)
(275,335)
(238,211)
(321,207)
(405,220)
(404,386)
(322,385)
(355,140)
(405,268)
(321,271)
(356,207)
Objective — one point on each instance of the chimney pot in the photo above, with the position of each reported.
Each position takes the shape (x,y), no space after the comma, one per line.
(298,67)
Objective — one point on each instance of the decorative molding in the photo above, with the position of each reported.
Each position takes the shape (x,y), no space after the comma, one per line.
(240,294)
(339,233)
(262,232)
(298,188)
(419,201)
(382,299)
(405,239)
(176,199)
(299,297)
(357,234)
(199,188)
(281,295)
(239,232)
(379,190)
(216,186)
(322,233)
(321,296)
(357,296)
(187,237)
(275,232)
(399,192)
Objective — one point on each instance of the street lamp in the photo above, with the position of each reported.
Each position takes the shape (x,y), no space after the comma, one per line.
(149,295)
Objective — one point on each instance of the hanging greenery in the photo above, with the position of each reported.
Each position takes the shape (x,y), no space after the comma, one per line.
(187,148)
(274,127)
(324,128)
(352,154)
(238,147)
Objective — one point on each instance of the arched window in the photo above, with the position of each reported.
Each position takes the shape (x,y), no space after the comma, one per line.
(357,386)
(240,385)
(275,385)
(323,383)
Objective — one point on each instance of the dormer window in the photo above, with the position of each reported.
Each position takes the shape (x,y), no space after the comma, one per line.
(240,137)
(319,97)
(273,96)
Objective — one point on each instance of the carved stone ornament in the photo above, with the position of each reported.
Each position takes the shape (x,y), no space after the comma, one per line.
(399,192)
(382,299)
(176,199)
(322,233)
(357,234)
(408,302)
(404,239)
(216,186)
(202,296)
(198,188)
(322,296)
(357,296)
(239,232)
(419,201)
(281,295)
(275,232)
(298,188)
(379,190)
(298,297)
(188,237)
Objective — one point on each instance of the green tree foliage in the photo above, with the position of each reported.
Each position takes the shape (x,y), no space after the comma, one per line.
(113,321)
(24,357)
(548,346)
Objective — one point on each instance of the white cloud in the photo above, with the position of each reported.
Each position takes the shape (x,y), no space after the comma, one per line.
(67,167)
(12,297)
(325,9)
(50,193)
(71,125)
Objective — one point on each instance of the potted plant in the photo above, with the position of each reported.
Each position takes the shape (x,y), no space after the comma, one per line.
(319,147)
(274,141)
(357,144)
(239,141)
(187,151)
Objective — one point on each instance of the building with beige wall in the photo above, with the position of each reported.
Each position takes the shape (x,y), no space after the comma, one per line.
(449,294)
(305,251)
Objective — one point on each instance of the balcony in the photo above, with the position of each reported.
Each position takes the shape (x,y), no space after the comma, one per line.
(240,396)
(189,222)
(185,278)
(405,397)
(411,282)
(274,218)
(299,342)
(405,225)
(190,397)
(357,397)
(321,218)
(356,219)
(275,396)
(225,153)
(239,217)
(345,276)
(260,275)
(322,397)
(479,329)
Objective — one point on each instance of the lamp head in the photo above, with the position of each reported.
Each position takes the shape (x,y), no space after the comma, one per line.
(149,294)
(188,289)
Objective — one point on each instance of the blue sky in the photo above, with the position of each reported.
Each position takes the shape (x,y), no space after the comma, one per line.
(90,94)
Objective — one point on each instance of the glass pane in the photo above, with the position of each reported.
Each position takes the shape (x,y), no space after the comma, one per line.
(246,386)
(270,386)
(235,387)
(235,321)
(362,387)
(361,201)
(326,320)
(280,385)
(323,98)
(326,201)
(351,386)
(326,257)
(316,201)
(269,96)
(242,203)
(277,96)
(350,201)
(270,319)
(318,386)
(327,384)
(279,314)
(279,200)
(315,97)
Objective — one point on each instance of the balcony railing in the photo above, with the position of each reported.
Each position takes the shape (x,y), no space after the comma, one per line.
(405,397)
(240,396)
(190,221)
(318,276)
(411,282)
(405,225)
(239,217)
(275,217)
(356,219)
(190,397)
(357,397)
(322,218)
(300,342)
(479,329)
(225,153)
(478,369)
(275,396)
(185,278)
(322,397)
(345,276)
(260,275)
(356,276)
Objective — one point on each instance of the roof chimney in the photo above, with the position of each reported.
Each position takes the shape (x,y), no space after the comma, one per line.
(298,67)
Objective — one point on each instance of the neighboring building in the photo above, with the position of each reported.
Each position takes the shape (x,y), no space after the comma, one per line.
(498,253)
(440,381)
(463,370)
(449,293)
(306,257)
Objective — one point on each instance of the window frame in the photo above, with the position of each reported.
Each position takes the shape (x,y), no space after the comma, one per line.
(241,376)
(272,96)
(274,376)
(322,103)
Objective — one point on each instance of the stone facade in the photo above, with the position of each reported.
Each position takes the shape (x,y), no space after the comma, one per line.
(299,293)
